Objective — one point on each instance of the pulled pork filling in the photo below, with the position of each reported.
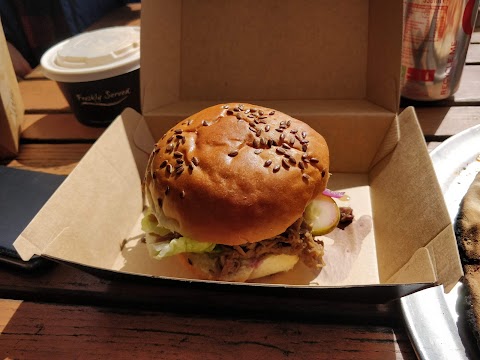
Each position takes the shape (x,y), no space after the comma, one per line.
(296,240)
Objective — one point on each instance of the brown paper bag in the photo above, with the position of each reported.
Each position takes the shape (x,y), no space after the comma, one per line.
(11,104)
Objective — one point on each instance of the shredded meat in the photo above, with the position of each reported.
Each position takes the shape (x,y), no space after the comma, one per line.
(346,214)
(296,240)
(346,217)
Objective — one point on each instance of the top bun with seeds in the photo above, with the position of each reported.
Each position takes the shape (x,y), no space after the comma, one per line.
(235,174)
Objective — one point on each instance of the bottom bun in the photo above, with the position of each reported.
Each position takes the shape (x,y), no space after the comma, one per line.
(202,266)
(274,264)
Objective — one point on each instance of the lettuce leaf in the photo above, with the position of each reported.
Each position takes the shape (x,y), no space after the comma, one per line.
(150,225)
(159,250)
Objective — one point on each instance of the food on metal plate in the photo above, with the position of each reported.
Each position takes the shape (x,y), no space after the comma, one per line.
(467,229)
(239,192)
(468,223)
(471,281)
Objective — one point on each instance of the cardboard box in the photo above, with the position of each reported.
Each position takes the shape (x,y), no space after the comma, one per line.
(332,64)
(11,104)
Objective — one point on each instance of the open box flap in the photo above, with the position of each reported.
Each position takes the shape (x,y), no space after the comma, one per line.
(430,262)
(389,142)
(419,268)
(384,53)
(407,222)
(143,139)
(103,173)
(448,268)
(249,49)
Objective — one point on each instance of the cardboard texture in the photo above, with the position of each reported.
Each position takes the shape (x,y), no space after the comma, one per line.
(334,65)
(11,104)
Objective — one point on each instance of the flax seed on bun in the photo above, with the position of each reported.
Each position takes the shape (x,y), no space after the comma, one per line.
(235,174)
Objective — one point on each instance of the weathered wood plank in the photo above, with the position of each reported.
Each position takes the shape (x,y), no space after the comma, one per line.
(443,122)
(54,159)
(473,54)
(42,96)
(45,127)
(45,331)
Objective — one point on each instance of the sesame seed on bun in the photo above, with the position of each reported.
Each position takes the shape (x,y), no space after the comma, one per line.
(234,173)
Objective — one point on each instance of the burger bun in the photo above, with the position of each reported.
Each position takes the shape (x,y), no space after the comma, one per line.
(200,266)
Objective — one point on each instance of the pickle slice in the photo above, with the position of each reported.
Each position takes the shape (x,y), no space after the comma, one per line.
(322,214)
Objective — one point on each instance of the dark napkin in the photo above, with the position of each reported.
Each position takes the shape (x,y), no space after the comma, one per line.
(22,195)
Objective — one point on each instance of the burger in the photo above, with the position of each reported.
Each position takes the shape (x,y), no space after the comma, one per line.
(239,192)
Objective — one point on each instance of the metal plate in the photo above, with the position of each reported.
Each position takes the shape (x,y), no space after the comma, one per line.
(456,163)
